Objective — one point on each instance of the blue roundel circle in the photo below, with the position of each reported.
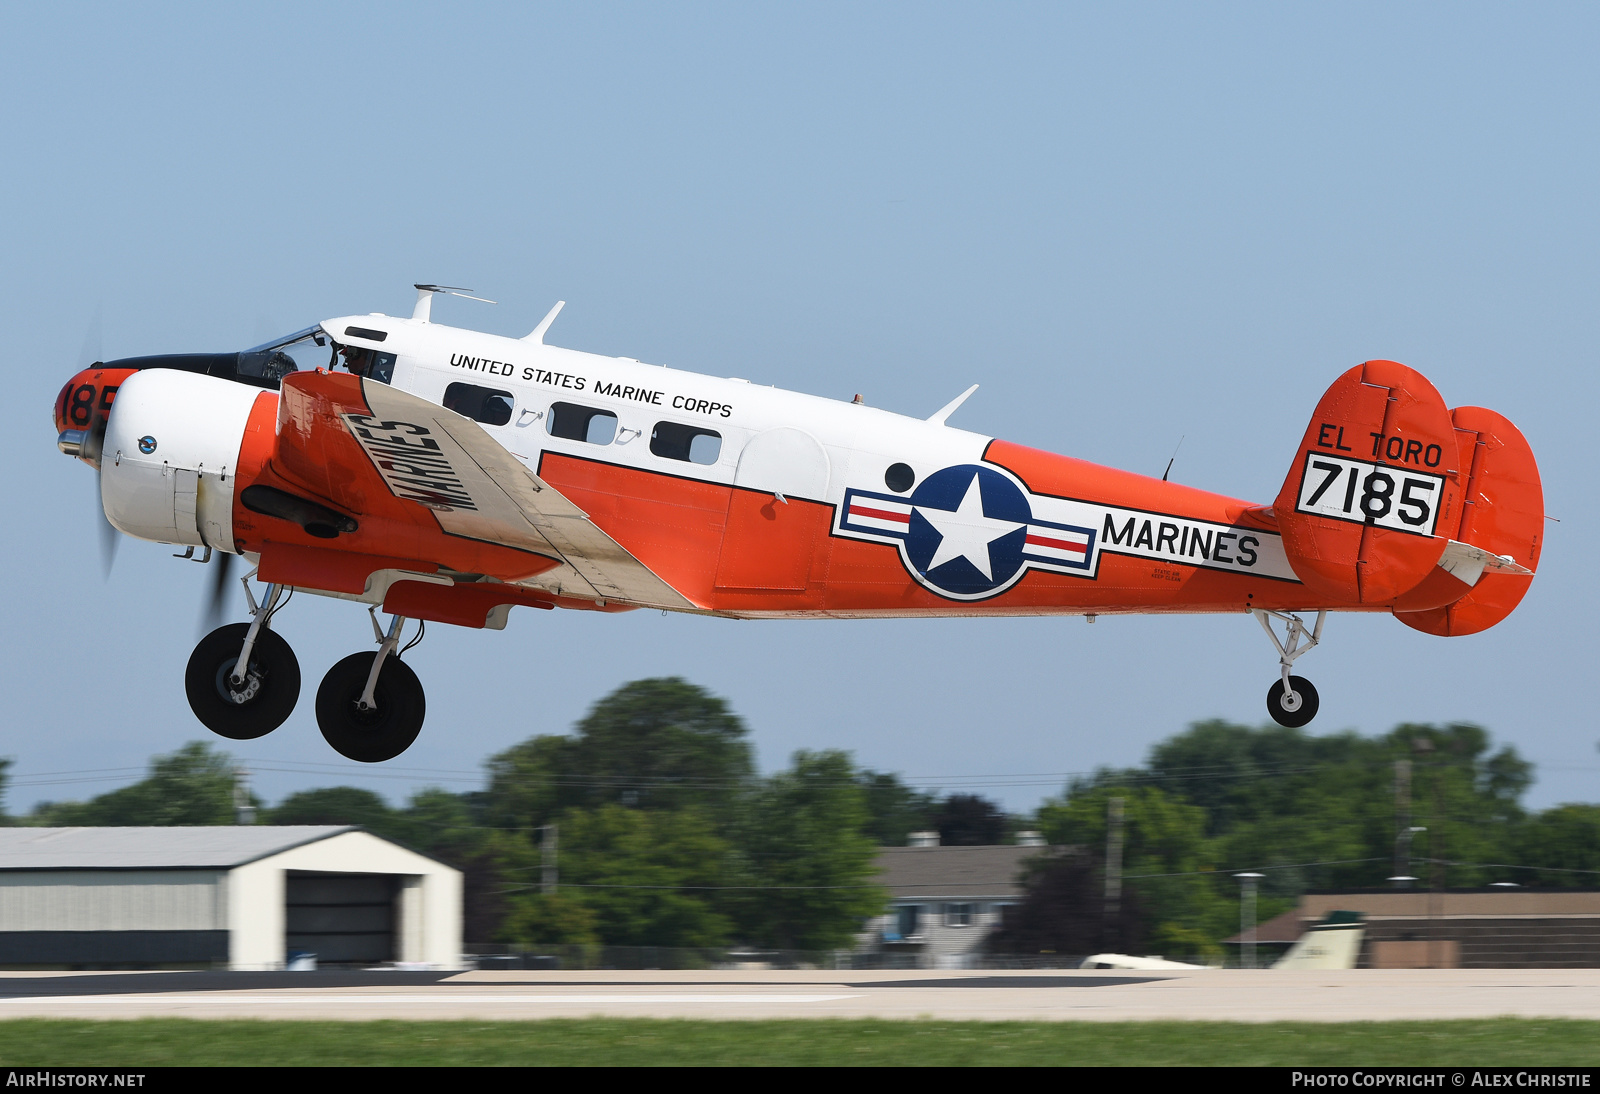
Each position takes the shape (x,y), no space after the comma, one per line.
(969,525)
(147,445)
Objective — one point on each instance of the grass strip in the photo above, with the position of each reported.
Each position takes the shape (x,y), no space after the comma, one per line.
(1505,1042)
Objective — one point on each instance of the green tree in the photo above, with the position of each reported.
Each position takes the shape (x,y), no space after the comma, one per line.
(339,805)
(1063,910)
(1566,841)
(805,842)
(1309,812)
(968,820)
(532,782)
(660,746)
(651,744)
(550,919)
(194,785)
(649,877)
(894,810)
(492,861)
(1165,861)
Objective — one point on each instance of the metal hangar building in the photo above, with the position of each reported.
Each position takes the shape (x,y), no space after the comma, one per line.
(243,897)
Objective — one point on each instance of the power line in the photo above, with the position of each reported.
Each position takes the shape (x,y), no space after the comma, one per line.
(1229,871)
(1111,776)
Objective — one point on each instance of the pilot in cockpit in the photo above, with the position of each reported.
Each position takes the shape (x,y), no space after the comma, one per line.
(356,359)
(369,363)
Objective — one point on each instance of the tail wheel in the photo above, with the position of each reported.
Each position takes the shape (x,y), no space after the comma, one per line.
(1293,706)
(263,701)
(386,730)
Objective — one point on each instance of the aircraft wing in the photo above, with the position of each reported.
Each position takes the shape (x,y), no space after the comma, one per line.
(448,464)
(509,503)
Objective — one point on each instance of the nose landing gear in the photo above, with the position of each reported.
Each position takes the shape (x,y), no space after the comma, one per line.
(243,680)
(1291,701)
(370,706)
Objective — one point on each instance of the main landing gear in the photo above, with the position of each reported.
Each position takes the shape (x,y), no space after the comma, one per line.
(243,681)
(370,705)
(1292,701)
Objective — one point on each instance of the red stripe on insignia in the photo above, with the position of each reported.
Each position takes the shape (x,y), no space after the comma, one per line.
(881,514)
(1059,544)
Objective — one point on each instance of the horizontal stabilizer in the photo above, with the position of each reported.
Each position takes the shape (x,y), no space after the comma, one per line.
(1466,563)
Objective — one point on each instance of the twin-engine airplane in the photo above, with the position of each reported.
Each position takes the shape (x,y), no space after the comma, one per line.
(448,475)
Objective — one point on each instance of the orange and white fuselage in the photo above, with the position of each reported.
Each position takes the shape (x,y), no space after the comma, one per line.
(750,501)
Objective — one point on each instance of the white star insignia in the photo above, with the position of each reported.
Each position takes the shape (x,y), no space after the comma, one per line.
(967,533)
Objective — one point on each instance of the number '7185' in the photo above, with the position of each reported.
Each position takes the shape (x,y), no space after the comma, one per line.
(1370,493)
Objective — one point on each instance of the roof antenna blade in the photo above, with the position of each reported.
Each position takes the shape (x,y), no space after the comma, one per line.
(425,299)
(1168,471)
(939,416)
(537,337)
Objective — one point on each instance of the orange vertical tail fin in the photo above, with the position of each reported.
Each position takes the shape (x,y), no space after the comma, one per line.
(1502,517)
(1373,496)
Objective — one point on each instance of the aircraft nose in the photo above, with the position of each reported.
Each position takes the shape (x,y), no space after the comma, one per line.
(82,409)
(59,414)
(73,441)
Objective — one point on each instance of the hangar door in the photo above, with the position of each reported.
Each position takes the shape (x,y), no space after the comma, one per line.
(345,919)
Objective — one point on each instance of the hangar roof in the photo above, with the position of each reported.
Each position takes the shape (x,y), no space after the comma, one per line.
(208,846)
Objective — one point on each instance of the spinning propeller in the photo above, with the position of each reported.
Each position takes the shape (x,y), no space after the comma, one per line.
(90,448)
(93,443)
(211,617)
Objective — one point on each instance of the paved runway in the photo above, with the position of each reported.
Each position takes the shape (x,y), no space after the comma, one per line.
(1237,995)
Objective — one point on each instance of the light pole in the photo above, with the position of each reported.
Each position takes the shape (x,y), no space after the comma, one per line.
(549,873)
(1402,856)
(1247,915)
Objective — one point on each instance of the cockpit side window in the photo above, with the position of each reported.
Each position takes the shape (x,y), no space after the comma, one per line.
(265,369)
(267,364)
(482,404)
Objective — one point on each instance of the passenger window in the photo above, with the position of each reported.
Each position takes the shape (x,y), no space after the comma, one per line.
(688,443)
(572,422)
(481,404)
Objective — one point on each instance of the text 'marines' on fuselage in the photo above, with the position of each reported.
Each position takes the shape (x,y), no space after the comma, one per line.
(448,475)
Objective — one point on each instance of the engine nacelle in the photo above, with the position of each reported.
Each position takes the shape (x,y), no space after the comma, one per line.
(167,469)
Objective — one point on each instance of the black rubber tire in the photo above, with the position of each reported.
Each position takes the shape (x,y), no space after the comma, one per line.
(274,671)
(376,735)
(1293,719)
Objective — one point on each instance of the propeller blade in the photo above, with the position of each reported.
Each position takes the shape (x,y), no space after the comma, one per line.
(90,353)
(109,536)
(221,563)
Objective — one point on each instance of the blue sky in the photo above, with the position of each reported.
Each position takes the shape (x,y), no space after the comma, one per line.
(1130,223)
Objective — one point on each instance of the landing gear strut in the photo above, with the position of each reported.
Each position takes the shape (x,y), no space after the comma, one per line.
(371,705)
(1291,701)
(243,679)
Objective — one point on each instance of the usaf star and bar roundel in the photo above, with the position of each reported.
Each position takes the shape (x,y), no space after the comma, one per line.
(967,532)
(970,532)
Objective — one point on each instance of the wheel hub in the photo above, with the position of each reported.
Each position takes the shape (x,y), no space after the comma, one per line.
(239,694)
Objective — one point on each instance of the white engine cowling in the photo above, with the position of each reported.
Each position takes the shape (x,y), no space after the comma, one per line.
(171,450)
